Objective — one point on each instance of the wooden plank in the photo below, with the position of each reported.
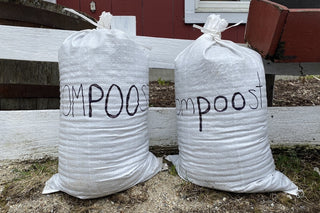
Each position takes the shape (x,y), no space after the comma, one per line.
(294,125)
(37,44)
(163,50)
(14,74)
(40,14)
(33,134)
(162,126)
(29,134)
(125,23)
(264,26)
(28,72)
(300,44)
(272,31)
(29,103)
(28,91)
(31,44)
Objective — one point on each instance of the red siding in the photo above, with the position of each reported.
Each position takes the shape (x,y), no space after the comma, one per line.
(156,18)
(182,30)
(235,34)
(102,5)
(74,4)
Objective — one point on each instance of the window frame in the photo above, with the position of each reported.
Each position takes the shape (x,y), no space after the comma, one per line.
(197,11)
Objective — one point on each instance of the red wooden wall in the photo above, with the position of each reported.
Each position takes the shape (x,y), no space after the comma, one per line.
(156,18)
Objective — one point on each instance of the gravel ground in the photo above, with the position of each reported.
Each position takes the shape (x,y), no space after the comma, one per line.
(21,184)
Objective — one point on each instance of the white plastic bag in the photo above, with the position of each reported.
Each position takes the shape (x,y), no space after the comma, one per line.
(104,142)
(222,116)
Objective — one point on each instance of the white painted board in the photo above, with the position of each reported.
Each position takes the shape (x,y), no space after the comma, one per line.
(34,134)
(28,134)
(38,44)
(294,125)
(125,23)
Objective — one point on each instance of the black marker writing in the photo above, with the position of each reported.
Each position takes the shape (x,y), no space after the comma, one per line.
(77,95)
(128,100)
(90,97)
(107,100)
(202,112)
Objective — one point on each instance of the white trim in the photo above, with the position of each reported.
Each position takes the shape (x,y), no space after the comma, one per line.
(197,11)
(228,6)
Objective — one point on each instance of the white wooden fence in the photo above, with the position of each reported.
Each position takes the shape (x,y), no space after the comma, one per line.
(33,134)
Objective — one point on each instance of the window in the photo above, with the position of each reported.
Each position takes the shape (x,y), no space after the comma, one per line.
(196,11)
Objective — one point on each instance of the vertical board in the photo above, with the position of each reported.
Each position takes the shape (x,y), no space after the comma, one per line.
(126,24)
(129,8)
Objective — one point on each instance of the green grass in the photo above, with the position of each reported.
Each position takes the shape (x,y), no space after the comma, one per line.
(172,170)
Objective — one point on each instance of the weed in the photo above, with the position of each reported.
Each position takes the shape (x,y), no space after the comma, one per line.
(309,77)
(162,82)
(172,170)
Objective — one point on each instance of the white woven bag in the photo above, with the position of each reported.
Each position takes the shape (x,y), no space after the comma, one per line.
(104,142)
(222,116)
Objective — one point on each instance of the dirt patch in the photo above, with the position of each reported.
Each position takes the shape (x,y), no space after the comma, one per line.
(22,182)
(161,94)
(304,91)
